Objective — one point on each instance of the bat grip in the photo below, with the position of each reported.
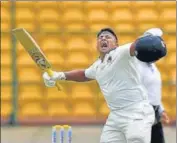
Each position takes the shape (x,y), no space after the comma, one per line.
(50,72)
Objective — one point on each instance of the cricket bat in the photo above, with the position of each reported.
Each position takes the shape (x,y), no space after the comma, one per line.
(34,51)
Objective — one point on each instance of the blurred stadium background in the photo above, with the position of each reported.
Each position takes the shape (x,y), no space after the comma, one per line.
(66,32)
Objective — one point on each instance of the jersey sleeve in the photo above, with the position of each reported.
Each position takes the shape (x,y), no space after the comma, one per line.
(124,51)
(142,72)
(161,108)
(90,72)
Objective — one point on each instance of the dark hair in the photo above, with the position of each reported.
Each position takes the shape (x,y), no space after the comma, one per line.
(108,30)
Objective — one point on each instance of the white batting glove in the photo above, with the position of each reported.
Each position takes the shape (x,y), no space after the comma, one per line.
(51,81)
(154,32)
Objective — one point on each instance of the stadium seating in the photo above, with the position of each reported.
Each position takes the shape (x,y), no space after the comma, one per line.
(171,43)
(26,20)
(173,74)
(49,16)
(142,4)
(168,14)
(6,109)
(32,109)
(142,27)
(24,58)
(77,60)
(147,15)
(6,93)
(76,44)
(104,110)
(5,16)
(123,39)
(173,91)
(6,74)
(28,26)
(170,105)
(164,75)
(167,4)
(58,109)
(55,58)
(97,19)
(122,15)
(52,94)
(92,46)
(100,97)
(66,32)
(51,43)
(97,15)
(165,92)
(6,59)
(95,27)
(48,4)
(25,4)
(172,59)
(117,5)
(29,92)
(82,92)
(71,4)
(5,42)
(73,15)
(123,27)
(84,109)
(96,5)
(29,74)
(74,20)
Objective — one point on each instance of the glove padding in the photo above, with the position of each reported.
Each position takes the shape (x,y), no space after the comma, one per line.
(154,32)
(150,48)
(51,81)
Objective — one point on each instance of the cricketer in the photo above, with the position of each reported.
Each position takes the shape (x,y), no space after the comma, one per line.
(117,73)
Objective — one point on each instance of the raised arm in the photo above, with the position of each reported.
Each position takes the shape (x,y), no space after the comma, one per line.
(150,47)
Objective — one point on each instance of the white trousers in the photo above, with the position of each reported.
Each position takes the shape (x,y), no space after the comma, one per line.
(129,125)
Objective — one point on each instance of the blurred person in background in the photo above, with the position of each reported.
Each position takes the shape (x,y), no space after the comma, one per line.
(151,79)
(116,71)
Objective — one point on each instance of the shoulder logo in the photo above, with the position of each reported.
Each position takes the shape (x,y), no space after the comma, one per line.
(109,59)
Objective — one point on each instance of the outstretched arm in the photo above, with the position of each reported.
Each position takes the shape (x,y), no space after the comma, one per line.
(76,75)
(80,75)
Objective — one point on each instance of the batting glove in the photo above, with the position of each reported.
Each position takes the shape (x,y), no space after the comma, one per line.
(154,32)
(50,81)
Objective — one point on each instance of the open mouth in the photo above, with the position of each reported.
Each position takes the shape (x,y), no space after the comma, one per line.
(104,44)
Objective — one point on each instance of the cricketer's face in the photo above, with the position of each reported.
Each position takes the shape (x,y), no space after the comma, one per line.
(106,42)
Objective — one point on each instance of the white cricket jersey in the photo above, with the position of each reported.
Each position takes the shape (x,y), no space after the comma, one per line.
(118,78)
(151,79)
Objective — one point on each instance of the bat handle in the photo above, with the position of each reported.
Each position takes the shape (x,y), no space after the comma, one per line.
(50,72)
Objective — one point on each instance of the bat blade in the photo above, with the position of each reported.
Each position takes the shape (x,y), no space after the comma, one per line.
(34,51)
(32,48)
